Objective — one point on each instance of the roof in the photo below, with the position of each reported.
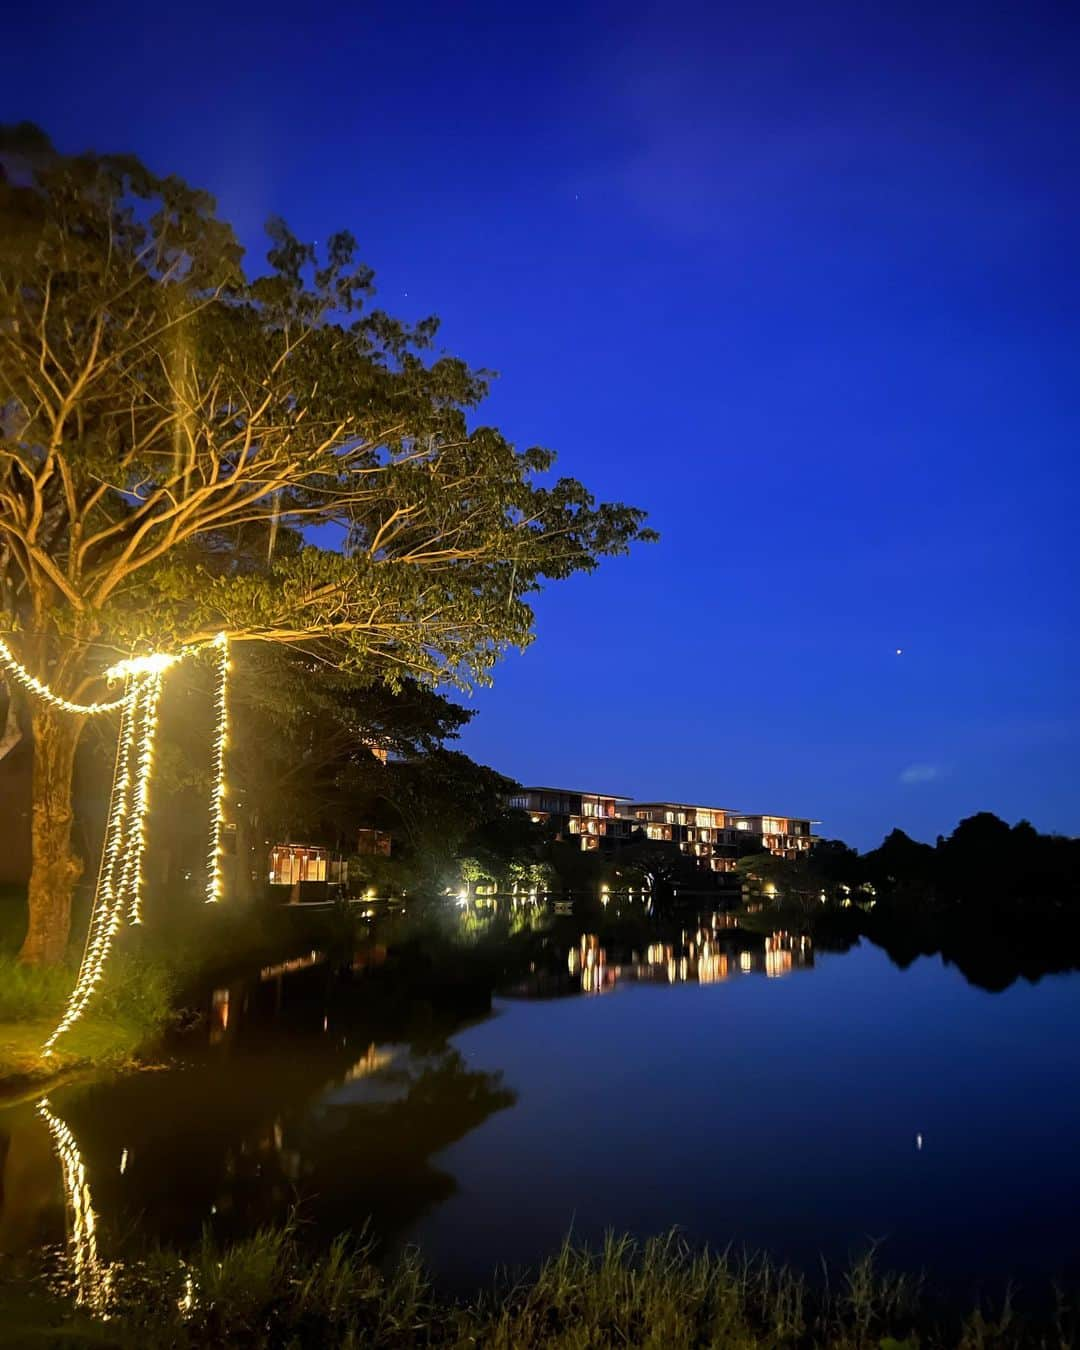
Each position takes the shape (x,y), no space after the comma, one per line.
(690,806)
(779,815)
(577,792)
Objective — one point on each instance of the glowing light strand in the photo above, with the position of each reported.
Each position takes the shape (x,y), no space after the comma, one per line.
(93,1278)
(215,881)
(132,878)
(32,684)
(107,912)
(120,876)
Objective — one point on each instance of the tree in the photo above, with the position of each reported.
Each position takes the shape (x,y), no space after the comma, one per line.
(900,859)
(166,420)
(303,740)
(837,862)
(660,863)
(508,849)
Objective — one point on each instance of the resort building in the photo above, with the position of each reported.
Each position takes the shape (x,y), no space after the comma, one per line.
(592,816)
(715,835)
(786,836)
(701,831)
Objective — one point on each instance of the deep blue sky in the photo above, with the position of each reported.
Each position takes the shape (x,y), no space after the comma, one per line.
(800,279)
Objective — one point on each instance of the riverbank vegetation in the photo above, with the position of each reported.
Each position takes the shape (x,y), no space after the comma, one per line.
(157,978)
(269,1291)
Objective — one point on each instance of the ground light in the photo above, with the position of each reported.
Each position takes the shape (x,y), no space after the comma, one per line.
(118,893)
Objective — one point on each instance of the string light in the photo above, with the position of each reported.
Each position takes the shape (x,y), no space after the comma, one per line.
(157,663)
(18,672)
(93,1278)
(144,771)
(215,881)
(108,908)
(120,877)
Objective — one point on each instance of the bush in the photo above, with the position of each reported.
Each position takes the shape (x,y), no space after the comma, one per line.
(28,993)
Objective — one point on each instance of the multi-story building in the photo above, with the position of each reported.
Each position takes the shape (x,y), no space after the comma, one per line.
(786,836)
(701,831)
(590,816)
(715,835)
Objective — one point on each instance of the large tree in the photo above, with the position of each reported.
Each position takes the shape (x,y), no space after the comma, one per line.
(164,417)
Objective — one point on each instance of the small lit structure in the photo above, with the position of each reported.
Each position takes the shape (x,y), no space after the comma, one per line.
(291,864)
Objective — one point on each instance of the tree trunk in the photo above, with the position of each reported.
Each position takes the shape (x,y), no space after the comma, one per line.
(55,868)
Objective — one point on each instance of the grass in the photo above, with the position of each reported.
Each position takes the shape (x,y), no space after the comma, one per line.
(151,973)
(133,1004)
(267,1292)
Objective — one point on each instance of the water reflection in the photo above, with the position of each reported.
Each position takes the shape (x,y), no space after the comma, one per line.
(90,1276)
(366,1086)
(311,1090)
(706,956)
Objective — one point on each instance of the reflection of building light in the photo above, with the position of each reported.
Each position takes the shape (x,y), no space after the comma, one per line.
(93,1279)
(123,1162)
(746,961)
(713,969)
(219,1015)
(371,1061)
(777,963)
(289,967)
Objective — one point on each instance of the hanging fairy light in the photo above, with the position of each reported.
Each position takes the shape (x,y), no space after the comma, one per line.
(215,880)
(144,770)
(118,893)
(120,880)
(33,685)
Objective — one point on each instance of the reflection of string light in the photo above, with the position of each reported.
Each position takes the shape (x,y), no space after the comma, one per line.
(18,671)
(93,1279)
(215,883)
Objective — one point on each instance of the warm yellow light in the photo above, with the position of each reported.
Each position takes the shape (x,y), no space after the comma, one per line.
(42,691)
(215,880)
(120,878)
(93,1278)
(154,664)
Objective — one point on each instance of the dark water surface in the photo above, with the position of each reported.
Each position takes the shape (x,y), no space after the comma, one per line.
(749,1090)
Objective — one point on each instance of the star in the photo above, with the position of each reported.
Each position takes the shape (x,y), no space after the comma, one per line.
(899,651)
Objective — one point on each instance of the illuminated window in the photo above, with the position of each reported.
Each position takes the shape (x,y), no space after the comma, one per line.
(669,816)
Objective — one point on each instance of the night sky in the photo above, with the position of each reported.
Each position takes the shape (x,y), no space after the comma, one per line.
(801,280)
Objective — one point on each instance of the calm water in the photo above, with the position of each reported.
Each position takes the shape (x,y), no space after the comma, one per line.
(789,1098)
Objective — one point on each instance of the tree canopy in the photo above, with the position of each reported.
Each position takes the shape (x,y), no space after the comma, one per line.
(190,448)
(159,406)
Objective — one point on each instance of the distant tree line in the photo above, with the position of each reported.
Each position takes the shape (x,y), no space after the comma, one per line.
(983,862)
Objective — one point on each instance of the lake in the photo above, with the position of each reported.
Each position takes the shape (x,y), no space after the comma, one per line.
(615,1073)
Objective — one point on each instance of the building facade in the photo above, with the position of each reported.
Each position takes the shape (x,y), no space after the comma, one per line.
(591,817)
(716,836)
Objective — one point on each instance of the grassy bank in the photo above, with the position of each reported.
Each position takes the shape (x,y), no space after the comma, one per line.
(154,973)
(132,1005)
(266,1292)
